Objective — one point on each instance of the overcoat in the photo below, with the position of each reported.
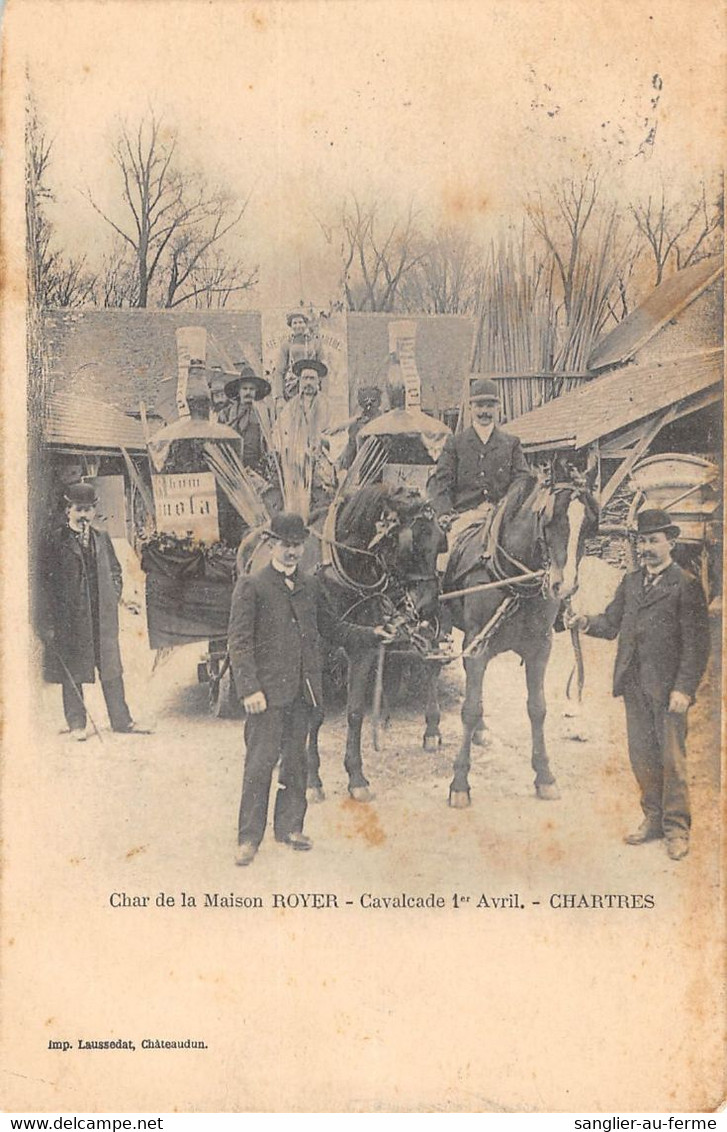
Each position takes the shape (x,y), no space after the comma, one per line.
(274,636)
(65,607)
(666,630)
(468,471)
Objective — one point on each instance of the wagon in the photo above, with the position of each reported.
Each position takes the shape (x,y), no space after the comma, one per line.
(687,487)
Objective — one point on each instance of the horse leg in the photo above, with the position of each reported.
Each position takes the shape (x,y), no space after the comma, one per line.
(314,790)
(432,735)
(358,673)
(459,789)
(535,665)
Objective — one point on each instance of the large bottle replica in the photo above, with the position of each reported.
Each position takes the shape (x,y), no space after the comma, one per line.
(413,440)
(189,562)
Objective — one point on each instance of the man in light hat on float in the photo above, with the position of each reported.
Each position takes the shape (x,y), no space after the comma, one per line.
(277,618)
(659,613)
(241,414)
(478,464)
(80,588)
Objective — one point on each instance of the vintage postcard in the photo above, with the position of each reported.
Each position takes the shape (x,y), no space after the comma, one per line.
(362,413)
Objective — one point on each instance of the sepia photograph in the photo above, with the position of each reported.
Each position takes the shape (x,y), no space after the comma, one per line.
(363,470)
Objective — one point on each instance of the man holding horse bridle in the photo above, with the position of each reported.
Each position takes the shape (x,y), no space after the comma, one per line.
(659,614)
(277,619)
(478,465)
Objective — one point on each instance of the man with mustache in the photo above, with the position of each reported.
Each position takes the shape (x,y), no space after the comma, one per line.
(277,619)
(80,588)
(241,413)
(477,465)
(659,614)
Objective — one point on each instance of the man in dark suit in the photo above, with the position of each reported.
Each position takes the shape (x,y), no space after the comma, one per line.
(659,614)
(80,589)
(477,465)
(276,621)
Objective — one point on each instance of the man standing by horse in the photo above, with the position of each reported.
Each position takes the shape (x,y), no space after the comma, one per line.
(659,614)
(276,622)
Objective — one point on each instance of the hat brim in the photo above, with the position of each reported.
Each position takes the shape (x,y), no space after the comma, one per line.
(262,387)
(484,399)
(671,530)
(310,363)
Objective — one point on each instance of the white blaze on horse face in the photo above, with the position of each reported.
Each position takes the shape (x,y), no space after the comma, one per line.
(576,517)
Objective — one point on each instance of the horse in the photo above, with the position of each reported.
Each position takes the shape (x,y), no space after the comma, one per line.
(383,553)
(538,529)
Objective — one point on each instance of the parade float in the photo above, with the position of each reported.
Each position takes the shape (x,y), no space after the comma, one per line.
(205,499)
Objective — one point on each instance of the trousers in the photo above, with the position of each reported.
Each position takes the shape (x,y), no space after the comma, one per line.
(114,695)
(277,734)
(657,751)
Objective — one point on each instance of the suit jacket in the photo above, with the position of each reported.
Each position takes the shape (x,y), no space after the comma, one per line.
(274,636)
(65,606)
(469,471)
(666,630)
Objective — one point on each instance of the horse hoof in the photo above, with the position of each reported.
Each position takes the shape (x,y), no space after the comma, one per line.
(361,794)
(314,794)
(548,793)
(432,742)
(479,738)
(459,799)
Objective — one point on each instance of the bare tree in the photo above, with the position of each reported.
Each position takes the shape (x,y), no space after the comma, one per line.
(376,254)
(448,277)
(581,234)
(679,233)
(171,218)
(39,233)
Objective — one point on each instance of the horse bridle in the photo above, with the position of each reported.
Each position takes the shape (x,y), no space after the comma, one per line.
(535,586)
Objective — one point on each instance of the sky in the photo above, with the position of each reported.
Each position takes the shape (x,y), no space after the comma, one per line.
(463,106)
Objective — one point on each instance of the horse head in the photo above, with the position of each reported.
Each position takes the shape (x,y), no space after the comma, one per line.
(392,532)
(546,518)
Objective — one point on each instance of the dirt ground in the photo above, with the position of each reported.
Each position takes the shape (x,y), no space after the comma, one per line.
(182,783)
(531,1008)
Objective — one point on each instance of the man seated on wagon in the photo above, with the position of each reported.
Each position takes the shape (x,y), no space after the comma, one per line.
(301,434)
(242,393)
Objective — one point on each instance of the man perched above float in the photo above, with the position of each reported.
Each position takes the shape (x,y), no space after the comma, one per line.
(478,465)
(241,414)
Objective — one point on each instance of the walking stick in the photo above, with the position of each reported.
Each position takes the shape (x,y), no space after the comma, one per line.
(73,684)
(378,692)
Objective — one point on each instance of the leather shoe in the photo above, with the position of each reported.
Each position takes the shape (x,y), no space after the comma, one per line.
(677,847)
(245,853)
(296,841)
(133,729)
(649,830)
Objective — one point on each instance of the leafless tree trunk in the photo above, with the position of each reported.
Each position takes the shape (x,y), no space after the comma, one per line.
(171,219)
(376,255)
(679,233)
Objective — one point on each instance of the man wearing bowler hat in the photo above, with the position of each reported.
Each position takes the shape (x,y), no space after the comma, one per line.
(478,465)
(80,589)
(659,614)
(241,414)
(276,621)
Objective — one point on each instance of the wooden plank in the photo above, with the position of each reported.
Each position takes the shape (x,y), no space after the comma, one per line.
(650,430)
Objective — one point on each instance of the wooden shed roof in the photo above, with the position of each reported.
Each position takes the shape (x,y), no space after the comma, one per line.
(618,400)
(665,302)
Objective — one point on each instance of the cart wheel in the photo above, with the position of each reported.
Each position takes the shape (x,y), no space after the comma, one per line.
(224,703)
